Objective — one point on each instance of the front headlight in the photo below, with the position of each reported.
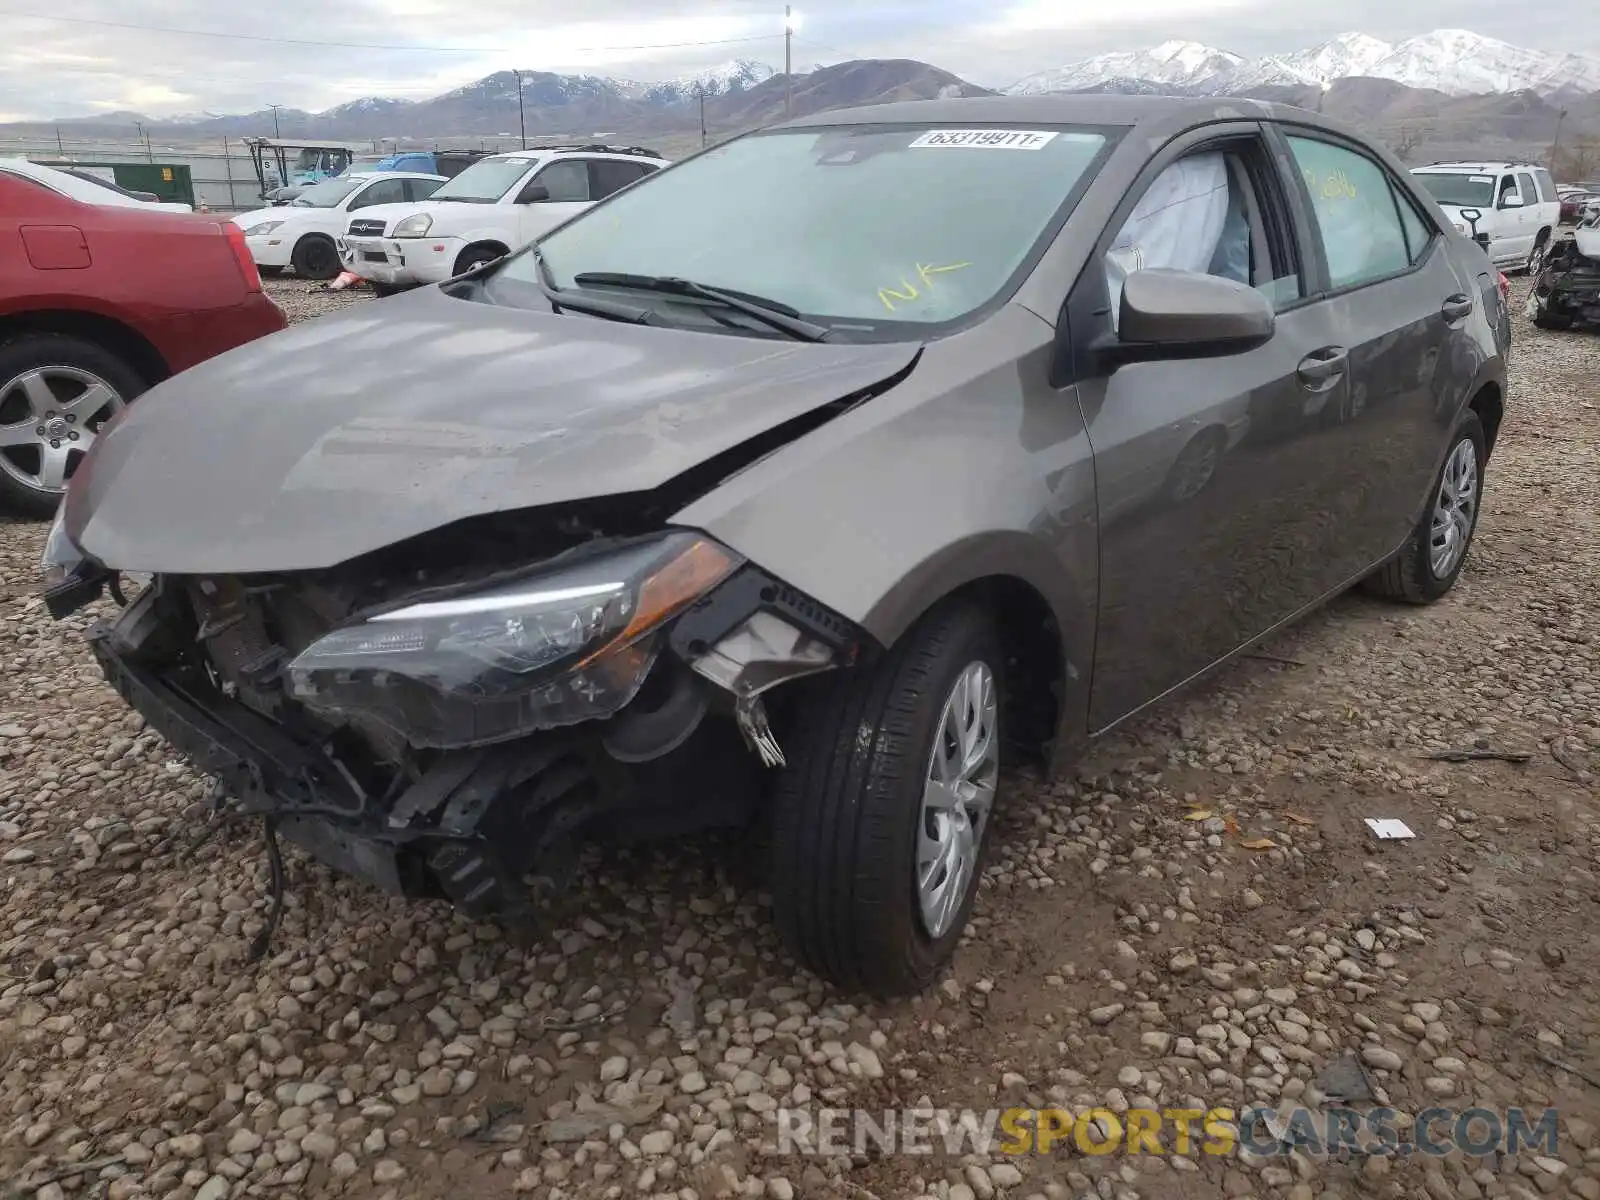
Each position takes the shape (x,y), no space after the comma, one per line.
(570,642)
(414,226)
(60,555)
(264,227)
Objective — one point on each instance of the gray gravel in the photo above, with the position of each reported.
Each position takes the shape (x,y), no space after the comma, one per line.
(1199,917)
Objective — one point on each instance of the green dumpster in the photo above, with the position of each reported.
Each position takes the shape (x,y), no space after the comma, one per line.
(166,181)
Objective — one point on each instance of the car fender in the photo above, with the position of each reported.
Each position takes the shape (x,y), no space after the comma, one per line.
(950,476)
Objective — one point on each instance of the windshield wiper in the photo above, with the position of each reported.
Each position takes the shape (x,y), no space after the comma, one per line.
(771,313)
(596,306)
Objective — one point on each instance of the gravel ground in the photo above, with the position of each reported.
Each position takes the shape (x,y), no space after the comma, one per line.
(1200,915)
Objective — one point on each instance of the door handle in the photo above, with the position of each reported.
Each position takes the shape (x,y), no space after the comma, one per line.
(1456,307)
(1323,366)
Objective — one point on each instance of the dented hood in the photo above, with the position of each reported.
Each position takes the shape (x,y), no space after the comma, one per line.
(310,447)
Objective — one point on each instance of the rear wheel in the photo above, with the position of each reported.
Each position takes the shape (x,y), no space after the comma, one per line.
(1537,255)
(1431,560)
(879,822)
(315,257)
(56,395)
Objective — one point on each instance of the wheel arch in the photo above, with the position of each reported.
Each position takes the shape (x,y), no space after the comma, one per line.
(480,243)
(1048,643)
(1489,403)
(116,336)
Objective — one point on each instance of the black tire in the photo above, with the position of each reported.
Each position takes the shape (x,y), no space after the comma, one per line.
(846,811)
(1537,255)
(29,352)
(475,256)
(1409,577)
(316,257)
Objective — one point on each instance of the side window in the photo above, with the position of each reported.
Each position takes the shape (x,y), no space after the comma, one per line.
(608,175)
(567,181)
(1508,184)
(1207,213)
(1357,220)
(1529,190)
(421,189)
(1547,187)
(1419,230)
(385,191)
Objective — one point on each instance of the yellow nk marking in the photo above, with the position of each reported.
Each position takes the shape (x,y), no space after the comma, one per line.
(925,272)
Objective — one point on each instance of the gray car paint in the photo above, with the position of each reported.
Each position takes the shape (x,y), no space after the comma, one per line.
(339,437)
(981,462)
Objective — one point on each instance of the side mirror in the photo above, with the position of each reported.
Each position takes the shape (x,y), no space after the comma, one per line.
(1183,314)
(1511,200)
(534,193)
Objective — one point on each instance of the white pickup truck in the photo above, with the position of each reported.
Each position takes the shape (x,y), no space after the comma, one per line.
(1514,203)
(496,205)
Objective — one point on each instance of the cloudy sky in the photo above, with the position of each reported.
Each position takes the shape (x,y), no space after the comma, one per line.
(166,57)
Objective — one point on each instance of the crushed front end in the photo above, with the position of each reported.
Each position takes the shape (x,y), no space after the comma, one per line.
(1567,290)
(448,731)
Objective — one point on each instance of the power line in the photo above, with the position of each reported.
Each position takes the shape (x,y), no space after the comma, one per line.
(283,41)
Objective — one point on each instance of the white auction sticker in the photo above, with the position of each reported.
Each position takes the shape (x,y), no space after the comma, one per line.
(984,139)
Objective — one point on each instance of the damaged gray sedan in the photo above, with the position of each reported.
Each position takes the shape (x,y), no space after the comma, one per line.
(815,480)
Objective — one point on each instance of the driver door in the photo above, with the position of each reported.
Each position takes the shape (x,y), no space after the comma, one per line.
(558,191)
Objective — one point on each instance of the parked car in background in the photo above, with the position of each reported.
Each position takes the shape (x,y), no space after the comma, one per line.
(86,188)
(788,465)
(1566,293)
(99,301)
(496,205)
(303,234)
(1514,203)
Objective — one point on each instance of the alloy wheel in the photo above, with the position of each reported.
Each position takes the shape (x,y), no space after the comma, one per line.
(957,797)
(1455,510)
(49,417)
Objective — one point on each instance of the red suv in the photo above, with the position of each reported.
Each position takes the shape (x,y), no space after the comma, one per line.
(96,305)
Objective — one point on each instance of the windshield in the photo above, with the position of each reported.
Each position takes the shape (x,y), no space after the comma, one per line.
(1463,191)
(485,181)
(327,193)
(853,224)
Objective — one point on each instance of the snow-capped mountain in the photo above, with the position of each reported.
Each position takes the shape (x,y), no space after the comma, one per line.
(735,76)
(1454,61)
(1338,58)
(1175,64)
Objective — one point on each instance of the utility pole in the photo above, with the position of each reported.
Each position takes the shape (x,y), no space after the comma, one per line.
(1555,143)
(62,150)
(276,132)
(700,91)
(788,60)
(522,122)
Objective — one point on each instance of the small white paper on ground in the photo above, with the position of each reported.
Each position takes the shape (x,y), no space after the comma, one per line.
(984,139)
(1389,829)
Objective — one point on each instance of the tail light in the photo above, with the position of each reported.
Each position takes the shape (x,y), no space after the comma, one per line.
(242,255)
(1505,287)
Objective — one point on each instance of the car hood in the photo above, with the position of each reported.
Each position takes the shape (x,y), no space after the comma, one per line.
(454,210)
(310,447)
(257,215)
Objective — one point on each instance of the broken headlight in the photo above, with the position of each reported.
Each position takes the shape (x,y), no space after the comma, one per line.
(569,643)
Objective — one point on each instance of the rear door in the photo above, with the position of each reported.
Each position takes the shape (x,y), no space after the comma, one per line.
(608,175)
(1401,308)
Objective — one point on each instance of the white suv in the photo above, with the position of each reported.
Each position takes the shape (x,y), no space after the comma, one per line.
(1515,204)
(496,205)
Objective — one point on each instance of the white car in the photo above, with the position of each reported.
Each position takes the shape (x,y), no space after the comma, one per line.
(496,205)
(1516,204)
(303,234)
(85,188)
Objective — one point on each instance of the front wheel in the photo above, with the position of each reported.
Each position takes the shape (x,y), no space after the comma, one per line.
(1431,560)
(315,257)
(474,257)
(879,822)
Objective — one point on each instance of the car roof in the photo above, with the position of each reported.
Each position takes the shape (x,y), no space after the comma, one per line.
(1068,109)
(533,152)
(1468,168)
